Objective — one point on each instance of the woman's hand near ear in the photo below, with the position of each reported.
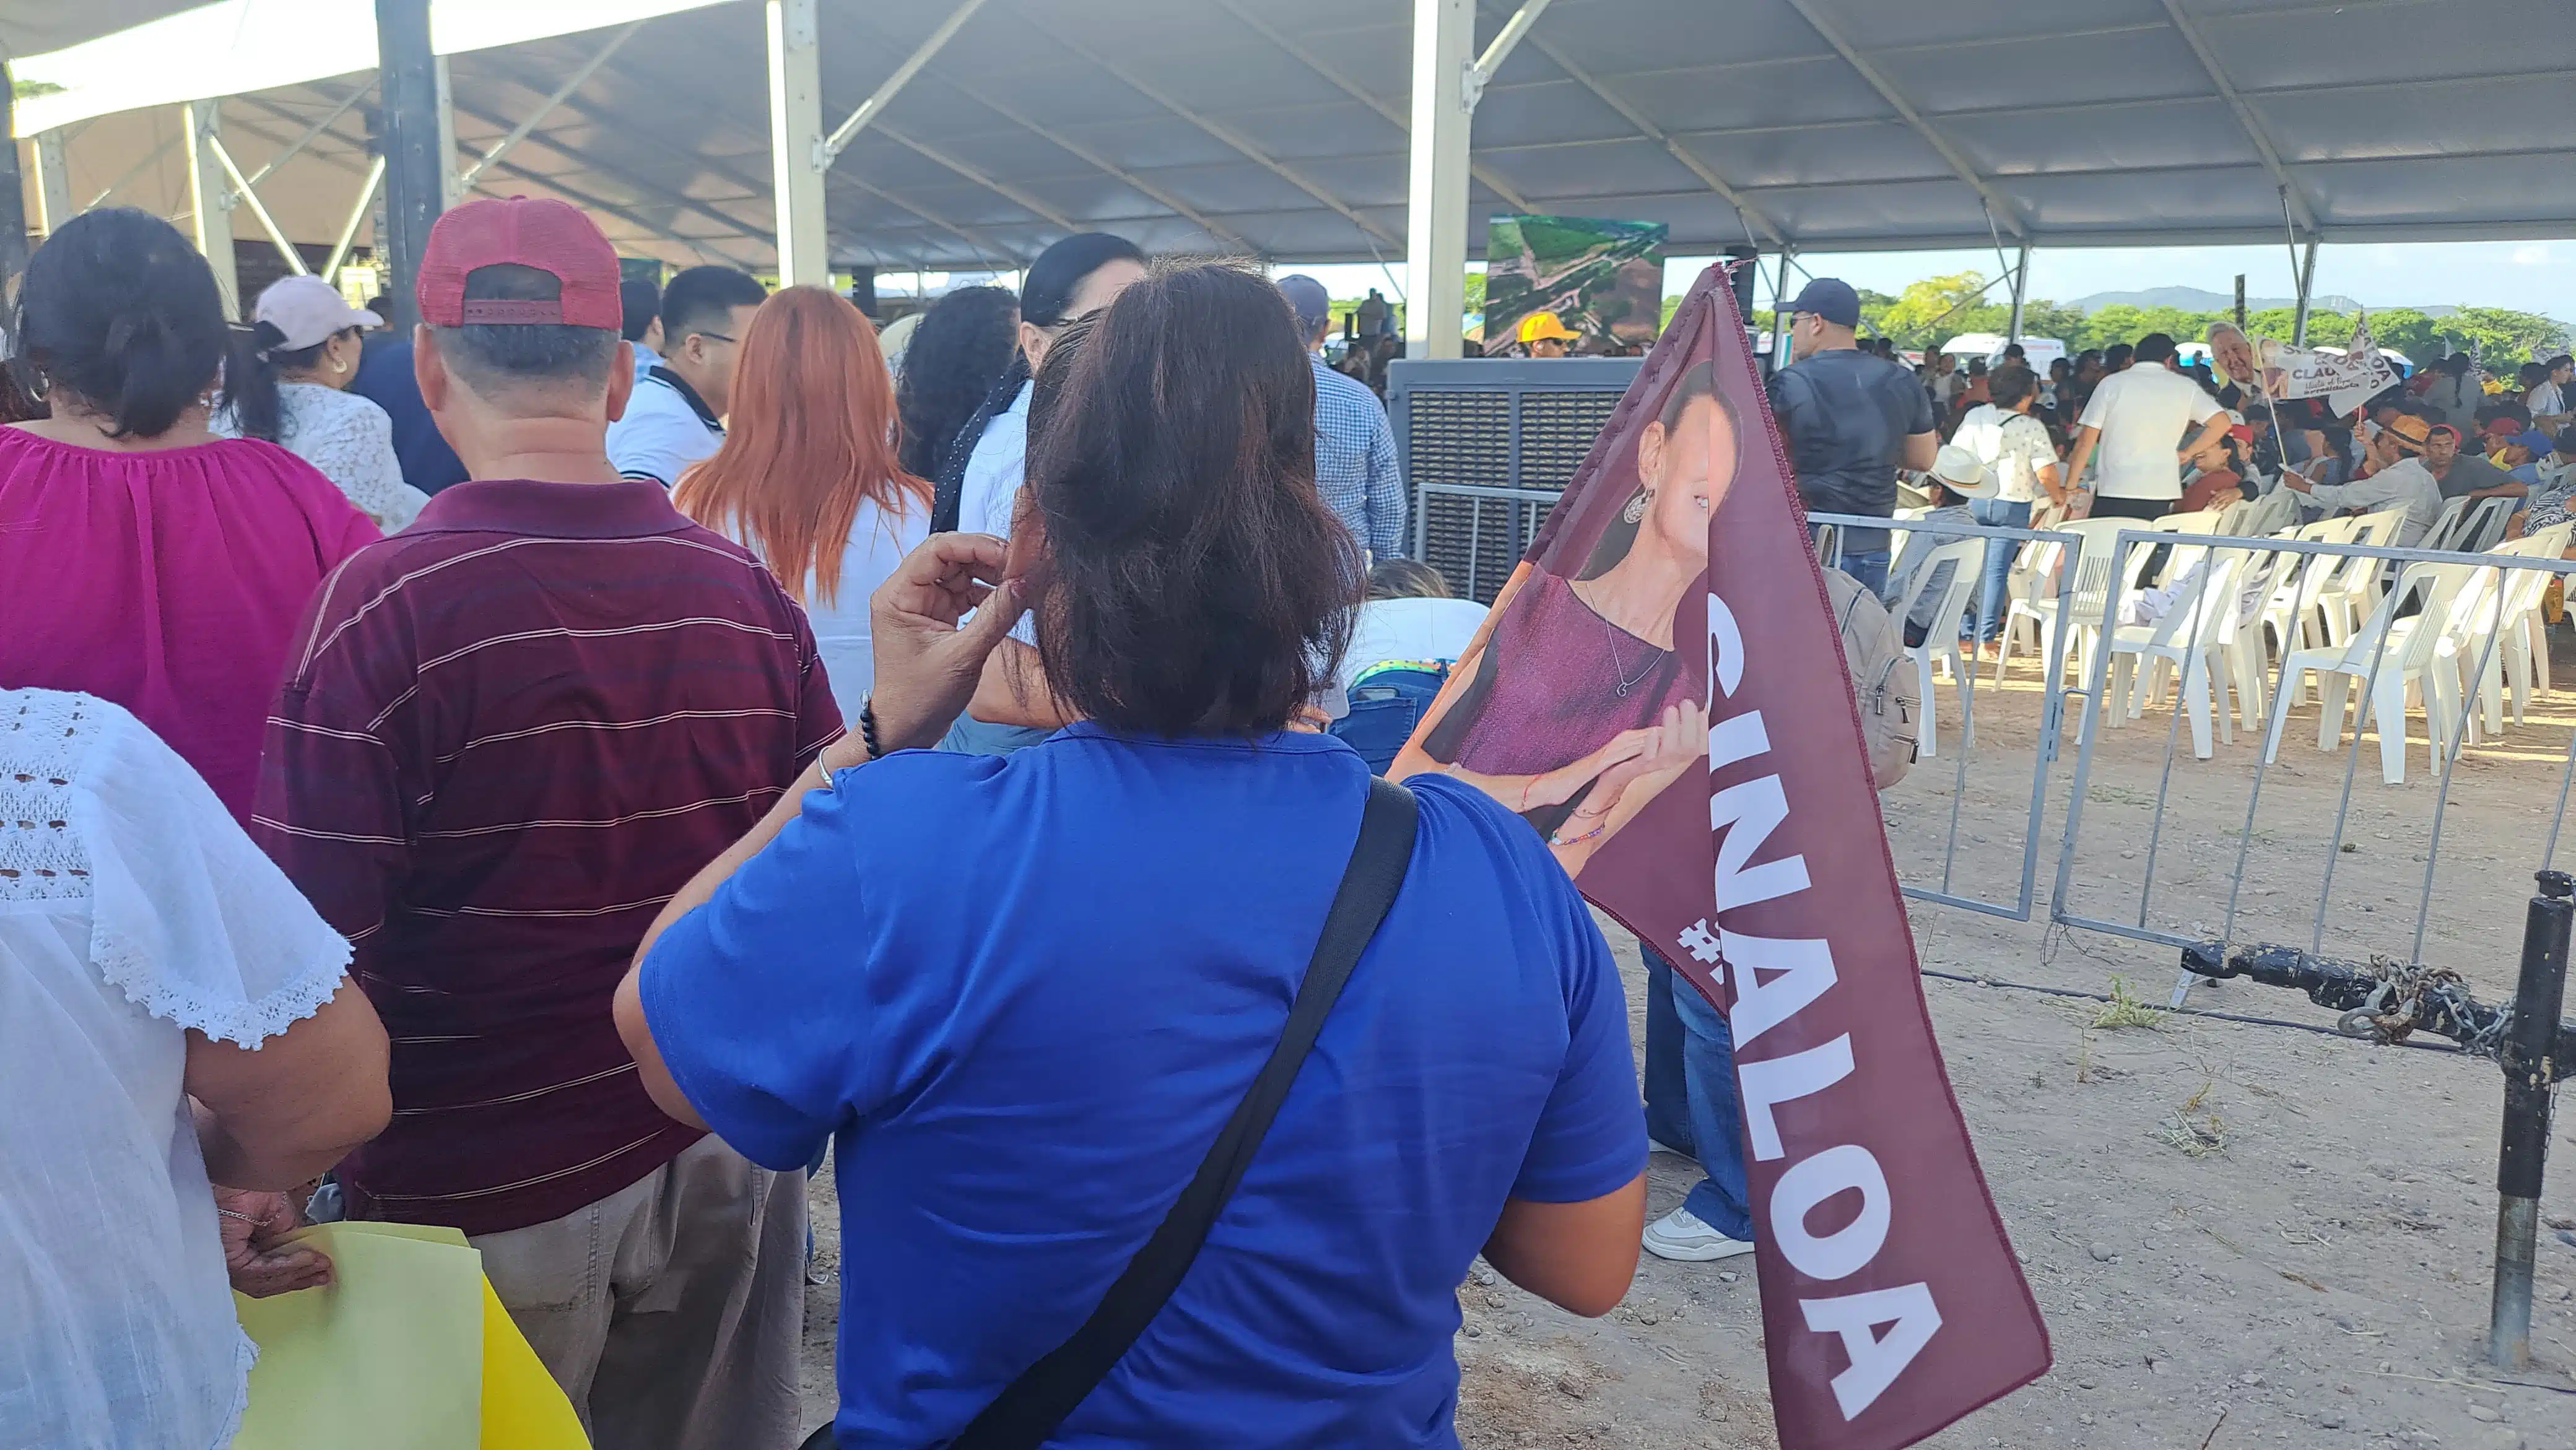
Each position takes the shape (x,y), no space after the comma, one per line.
(927,663)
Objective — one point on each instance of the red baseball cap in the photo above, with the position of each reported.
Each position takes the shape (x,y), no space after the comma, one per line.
(538,232)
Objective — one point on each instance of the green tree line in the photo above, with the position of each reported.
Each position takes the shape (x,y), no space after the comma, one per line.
(1936,309)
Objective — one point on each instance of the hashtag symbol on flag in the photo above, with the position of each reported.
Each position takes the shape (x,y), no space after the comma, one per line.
(1697,941)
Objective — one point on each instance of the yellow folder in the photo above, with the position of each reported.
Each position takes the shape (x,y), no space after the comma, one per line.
(407,1349)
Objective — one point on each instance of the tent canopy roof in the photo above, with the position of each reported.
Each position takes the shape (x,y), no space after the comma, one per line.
(1279,126)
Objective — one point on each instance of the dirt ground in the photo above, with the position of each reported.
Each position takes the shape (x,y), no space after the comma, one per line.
(2240,1234)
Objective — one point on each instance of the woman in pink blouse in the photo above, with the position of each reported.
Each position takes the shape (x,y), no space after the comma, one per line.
(143,559)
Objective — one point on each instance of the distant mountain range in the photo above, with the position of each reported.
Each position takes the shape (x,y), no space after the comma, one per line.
(2195,299)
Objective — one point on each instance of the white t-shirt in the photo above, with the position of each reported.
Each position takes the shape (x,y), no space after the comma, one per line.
(664,430)
(2013,446)
(2143,413)
(349,440)
(1410,629)
(878,541)
(132,908)
(2547,400)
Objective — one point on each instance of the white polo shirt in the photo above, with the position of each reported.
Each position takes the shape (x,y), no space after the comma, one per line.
(666,428)
(2143,414)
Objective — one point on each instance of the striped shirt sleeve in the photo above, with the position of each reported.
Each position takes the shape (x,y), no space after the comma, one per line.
(329,809)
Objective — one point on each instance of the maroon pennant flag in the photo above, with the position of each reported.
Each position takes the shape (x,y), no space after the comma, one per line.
(1660,691)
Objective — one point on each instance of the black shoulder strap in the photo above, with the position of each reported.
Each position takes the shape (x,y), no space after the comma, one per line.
(1029,1409)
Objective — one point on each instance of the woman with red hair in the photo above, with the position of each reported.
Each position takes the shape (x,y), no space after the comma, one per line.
(807,477)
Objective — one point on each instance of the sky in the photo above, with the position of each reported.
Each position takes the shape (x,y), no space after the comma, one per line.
(2526,276)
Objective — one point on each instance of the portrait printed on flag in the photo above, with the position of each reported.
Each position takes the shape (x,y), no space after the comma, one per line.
(1585,695)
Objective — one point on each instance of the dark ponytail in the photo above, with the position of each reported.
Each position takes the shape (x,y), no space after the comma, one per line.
(251,375)
(1046,293)
(120,312)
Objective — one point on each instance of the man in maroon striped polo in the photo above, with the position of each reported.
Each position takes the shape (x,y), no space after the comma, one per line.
(508,734)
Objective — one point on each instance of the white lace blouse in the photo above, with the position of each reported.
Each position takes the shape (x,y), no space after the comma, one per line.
(350,440)
(131,909)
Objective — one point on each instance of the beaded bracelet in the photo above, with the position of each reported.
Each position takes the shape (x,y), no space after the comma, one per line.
(868,728)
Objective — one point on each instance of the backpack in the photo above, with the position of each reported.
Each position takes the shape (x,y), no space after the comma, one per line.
(1884,693)
(1387,701)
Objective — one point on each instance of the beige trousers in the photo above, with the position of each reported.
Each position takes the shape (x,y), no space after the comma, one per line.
(672,1311)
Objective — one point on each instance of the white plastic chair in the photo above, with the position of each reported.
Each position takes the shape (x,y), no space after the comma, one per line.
(1941,637)
(2290,611)
(2404,665)
(2034,567)
(2446,525)
(2473,618)
(2511,660)
(2194,637)
(2349,597)
(2484,525)
(2091,562)
(2526,643)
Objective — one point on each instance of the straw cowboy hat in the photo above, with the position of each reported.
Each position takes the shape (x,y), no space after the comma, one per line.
(1959,470)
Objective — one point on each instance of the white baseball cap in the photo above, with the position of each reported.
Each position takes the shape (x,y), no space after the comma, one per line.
(307,311)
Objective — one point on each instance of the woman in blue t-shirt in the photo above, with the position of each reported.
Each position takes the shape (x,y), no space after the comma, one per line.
(1022,994)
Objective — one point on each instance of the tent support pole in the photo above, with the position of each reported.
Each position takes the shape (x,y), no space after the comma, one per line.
(546,107)
(295,148)
(357,213)
(2307,284)
(448,189)
(243,193)
(416,171)
(209,200)
(869,109)
(53,182)
(133,171)
(1435,220)
(1780,311)
(797,150)
(2021,292)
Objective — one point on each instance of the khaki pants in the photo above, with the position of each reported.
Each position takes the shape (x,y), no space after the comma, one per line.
(672,1311)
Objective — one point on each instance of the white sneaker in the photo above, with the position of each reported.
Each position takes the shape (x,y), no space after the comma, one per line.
(1680,1236)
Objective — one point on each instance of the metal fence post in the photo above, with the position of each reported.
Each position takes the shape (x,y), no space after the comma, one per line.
(2529,1041)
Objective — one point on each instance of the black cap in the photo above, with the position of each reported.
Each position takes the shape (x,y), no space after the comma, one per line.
(1830,298)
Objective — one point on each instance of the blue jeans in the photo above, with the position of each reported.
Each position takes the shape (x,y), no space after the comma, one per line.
(1691,1100)
(1869,566)
(2011,514)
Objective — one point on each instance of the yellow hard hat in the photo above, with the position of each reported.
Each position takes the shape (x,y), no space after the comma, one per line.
(1544,325)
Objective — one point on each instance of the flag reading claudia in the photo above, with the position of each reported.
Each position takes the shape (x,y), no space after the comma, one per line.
(1659,691)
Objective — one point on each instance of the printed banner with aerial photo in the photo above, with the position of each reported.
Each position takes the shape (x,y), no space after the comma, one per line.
(1659,691)
(1603,279)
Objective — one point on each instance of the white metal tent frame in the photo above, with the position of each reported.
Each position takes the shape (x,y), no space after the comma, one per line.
(978,131)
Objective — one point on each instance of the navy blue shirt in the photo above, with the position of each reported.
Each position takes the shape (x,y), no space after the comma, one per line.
(1022,994)
(385,378)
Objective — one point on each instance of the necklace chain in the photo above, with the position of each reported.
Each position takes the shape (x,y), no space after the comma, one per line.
(1611,631)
